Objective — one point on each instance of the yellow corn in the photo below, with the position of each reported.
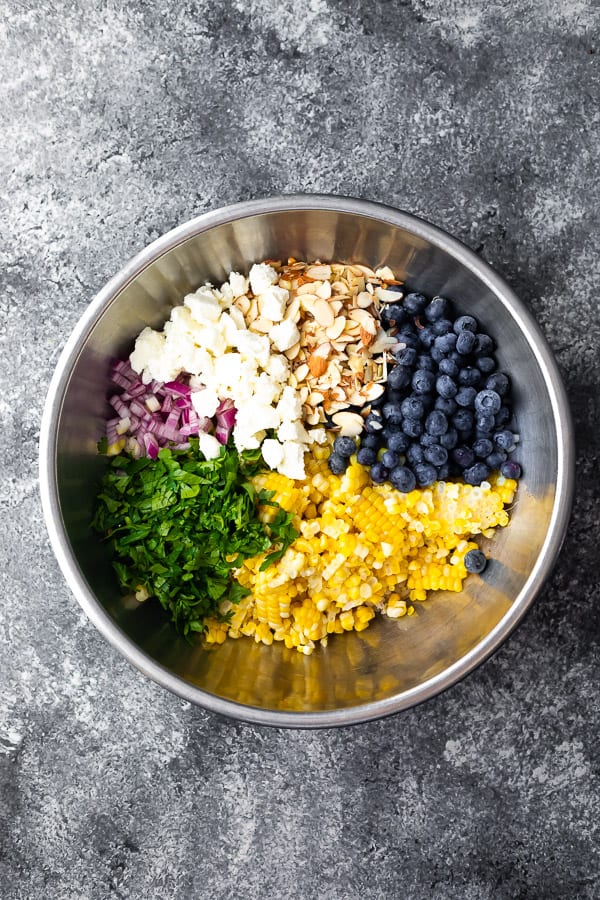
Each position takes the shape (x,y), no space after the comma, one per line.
(361,548)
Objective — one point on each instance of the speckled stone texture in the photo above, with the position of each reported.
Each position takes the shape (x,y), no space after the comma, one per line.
(121,120)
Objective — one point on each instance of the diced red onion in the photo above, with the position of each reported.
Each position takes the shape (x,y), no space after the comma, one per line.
(155,415)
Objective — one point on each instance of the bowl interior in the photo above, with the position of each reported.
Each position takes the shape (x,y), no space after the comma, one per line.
(391,658)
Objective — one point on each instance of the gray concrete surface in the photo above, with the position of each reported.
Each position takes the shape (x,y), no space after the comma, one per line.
(120,120)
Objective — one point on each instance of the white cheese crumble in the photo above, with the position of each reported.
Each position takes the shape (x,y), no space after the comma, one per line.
(207,338)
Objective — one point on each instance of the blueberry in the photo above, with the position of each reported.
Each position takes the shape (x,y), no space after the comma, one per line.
(502,416)
(394,396)
(465,323)
(406,356)
(465,343)
(415,303)
(344,446)
(436,423)
(511,469)
(463,456)
(409,337)
(378,473)
(412,427)
(392,412)
(374,421)
(437,355)
(475,561)
(484,345)
(446,405)
(450,439)
(389,429)
(366,456)
(505,439)
(484,422)
(398,442)
(499,383)
(372,441)
(436,309)
(485,364)
(476,473)
(427,337)
(469,375)
(423,381)
(463,420)
(482,448)
(426,474)
(403,479)
(337,464)
(487,401)
(413,408)
(400,376)
(443,327)
(495,459)
(414,454)
(445,342)
(449,367)
(425,361)
(436,455)
(446,387)
(392,315)
(390,459)
(466,396)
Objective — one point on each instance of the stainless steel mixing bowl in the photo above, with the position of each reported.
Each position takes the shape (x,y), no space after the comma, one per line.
(393,664)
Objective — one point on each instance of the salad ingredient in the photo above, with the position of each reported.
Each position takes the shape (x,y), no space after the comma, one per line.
(442,395)
(361,548)
(180,524)
(475,561)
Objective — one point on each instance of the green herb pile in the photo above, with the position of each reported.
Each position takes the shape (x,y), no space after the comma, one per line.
(178,525)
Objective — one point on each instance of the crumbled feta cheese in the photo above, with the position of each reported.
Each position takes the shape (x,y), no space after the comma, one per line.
(285,335)
(317,435)
(254,346)
(149,346)
(278,367)
(209,446)
(204,308)
(273,302)
(272,452)
(293,460)
(290,404)
(238,284)
(205,402)
(292,431)
(262,276)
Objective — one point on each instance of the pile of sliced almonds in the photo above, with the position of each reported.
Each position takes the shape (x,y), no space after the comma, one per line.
(342,356)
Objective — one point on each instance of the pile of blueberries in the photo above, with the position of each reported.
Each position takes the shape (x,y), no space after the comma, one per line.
(446,408)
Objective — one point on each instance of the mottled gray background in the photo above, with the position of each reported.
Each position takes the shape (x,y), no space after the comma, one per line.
(121,120)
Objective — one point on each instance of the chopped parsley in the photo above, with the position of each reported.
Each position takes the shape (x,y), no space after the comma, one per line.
(178,525)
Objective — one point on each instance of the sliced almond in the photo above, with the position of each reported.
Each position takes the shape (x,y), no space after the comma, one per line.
(313,417)
(339,287)
(336,328)
(318,273)
(301,372)
(349,423)
(324,290)
(364,300)
(365,270)
(307,288)
(337,306)
(292,353)
(323,313)
(318,360)
(292,309)
(372,391)
(364,318)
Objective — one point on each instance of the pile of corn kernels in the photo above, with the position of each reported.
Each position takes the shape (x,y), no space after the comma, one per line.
(362,548)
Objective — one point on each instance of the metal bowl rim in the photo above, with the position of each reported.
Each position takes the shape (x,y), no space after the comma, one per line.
(367,711)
